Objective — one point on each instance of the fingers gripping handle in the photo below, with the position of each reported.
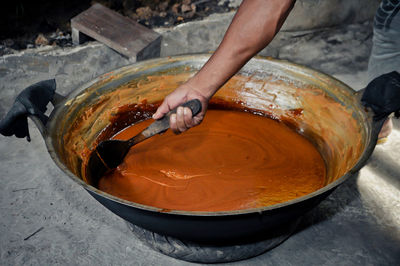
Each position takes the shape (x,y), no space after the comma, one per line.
(163,124)
(194,106)
(32,101)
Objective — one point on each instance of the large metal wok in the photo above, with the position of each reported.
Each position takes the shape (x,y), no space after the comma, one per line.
(323,109)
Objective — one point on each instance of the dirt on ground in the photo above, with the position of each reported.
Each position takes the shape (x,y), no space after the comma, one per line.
(28,24)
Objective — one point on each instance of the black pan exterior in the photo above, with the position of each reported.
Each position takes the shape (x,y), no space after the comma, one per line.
(214,228)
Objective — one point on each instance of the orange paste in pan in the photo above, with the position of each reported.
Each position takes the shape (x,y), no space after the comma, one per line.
(233,160)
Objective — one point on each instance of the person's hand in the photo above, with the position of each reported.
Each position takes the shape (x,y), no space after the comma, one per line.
(182,120)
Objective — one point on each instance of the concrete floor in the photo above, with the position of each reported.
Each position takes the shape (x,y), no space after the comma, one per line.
(359,224)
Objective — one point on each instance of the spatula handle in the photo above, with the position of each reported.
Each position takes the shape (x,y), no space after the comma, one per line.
(162,124)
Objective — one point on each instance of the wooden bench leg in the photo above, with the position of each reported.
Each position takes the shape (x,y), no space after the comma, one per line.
(78,37)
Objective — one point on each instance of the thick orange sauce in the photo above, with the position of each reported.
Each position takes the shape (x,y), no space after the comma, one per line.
(232,161)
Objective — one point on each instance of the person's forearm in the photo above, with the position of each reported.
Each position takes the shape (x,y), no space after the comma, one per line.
(253,27)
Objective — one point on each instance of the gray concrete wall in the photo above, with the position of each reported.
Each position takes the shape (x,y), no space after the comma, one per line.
(306,16)
(312,14)
(303,47)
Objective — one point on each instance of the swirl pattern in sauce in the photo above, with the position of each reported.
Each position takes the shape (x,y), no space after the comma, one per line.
(232,161)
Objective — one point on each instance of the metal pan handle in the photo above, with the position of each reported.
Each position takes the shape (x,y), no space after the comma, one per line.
(31,102)
(382,96)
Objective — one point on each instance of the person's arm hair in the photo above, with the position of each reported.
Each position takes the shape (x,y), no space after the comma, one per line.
(253,27)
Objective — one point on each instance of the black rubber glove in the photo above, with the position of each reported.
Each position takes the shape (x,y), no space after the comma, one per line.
(31,101)
(382,95)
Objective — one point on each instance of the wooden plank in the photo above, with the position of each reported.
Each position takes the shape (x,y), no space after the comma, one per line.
(116,31)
